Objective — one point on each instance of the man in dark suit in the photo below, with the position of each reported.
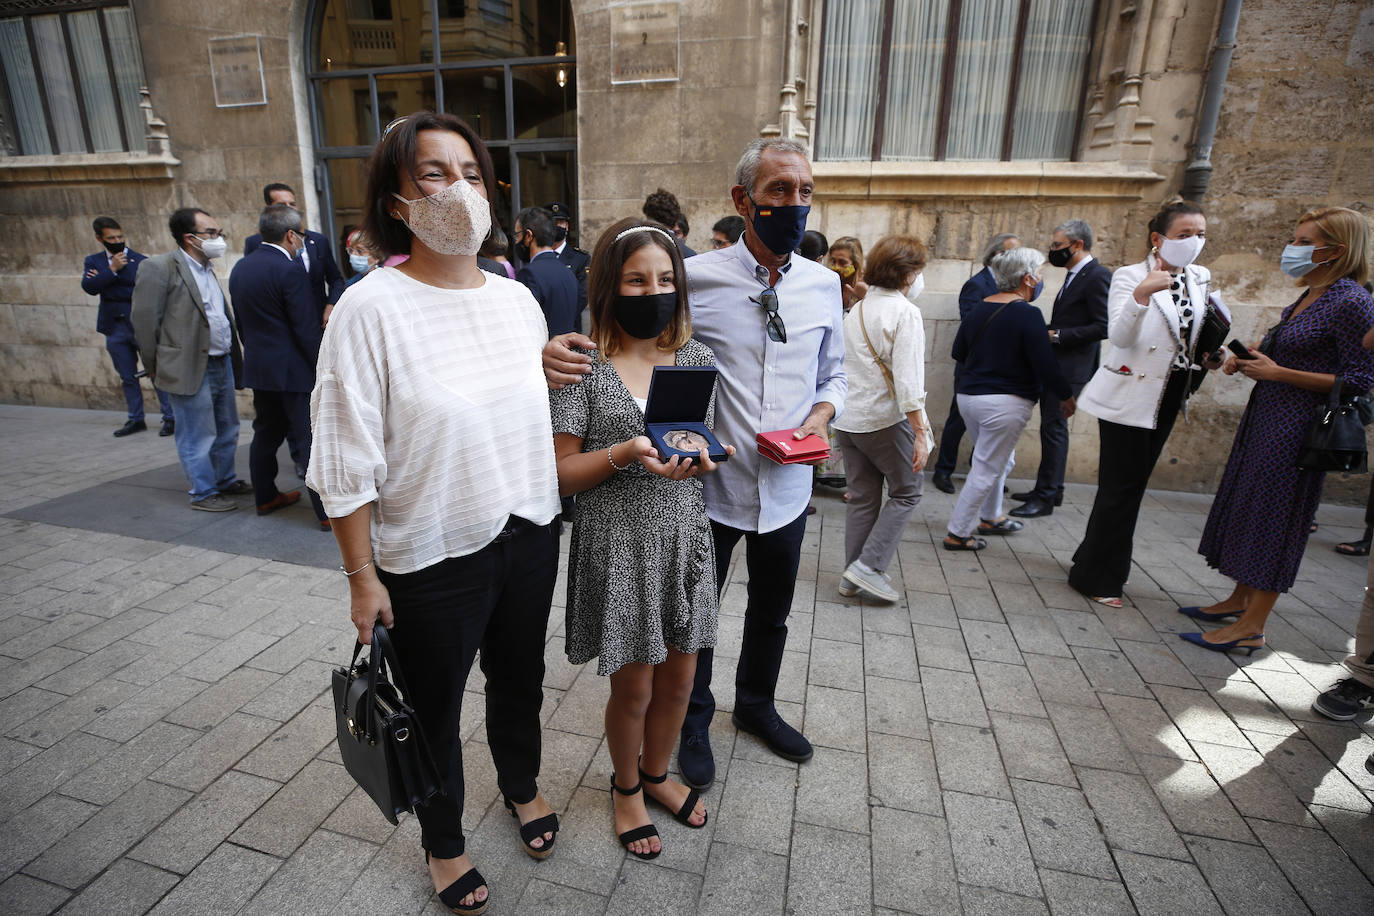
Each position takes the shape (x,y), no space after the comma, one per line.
(110,274)
(979,287)
(316,255)
(576,259)
(544,273)
(1077,325)
(186,335)
(281,336)
(326,281)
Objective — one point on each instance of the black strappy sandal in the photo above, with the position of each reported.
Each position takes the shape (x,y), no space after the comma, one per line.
(682,815)
(452,896)
(968,543)
(535,829)
(638,833)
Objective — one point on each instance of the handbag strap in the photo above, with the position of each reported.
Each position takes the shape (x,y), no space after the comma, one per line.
(979,336)
(1333,399)
(887,373)
(383,653)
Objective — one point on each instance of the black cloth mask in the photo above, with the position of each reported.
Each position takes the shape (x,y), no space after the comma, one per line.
(113,247)
(1059,257)
(645,317)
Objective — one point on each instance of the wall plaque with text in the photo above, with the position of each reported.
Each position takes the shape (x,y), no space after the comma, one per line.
(644,42)
(236,70)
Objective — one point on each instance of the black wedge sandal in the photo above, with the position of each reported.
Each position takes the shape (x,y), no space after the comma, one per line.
(535,829)
(682,815)
(638,833)
(469,881)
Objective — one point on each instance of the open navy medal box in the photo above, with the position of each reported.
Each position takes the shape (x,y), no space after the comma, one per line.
(678,399)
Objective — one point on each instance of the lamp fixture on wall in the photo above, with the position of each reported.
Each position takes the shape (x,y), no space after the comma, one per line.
(562,51)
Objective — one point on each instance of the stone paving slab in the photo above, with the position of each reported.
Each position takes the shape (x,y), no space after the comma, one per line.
(992,743)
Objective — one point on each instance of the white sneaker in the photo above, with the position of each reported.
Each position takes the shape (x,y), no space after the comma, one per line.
(870,581)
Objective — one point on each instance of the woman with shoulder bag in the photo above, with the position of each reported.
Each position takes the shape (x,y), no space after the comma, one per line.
(434,458)
(1257,530)
(883,430)
(1154,315)
(1007,362)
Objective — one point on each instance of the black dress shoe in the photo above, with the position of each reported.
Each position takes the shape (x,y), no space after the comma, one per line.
(781,738)
(1028,495)
(694,759)
(129,428)
(168,428)
(1032,508)
(942,482)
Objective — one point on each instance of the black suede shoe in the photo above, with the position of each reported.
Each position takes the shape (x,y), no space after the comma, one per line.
(942,482)
(169,427)
(781,738)
(695,761)
(1032,508)
(129,428)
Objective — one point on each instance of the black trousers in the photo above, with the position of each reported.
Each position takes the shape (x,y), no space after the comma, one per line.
(1054,446)
(496,599)
(277,414)
(773,560)
(1126,459)
(950,436)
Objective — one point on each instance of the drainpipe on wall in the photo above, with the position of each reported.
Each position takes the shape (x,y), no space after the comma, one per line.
(1199,172)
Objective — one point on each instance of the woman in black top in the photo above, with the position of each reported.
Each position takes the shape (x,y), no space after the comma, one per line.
(1004,347)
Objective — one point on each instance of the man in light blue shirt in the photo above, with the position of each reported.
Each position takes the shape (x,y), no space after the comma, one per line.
(774,322)
(182,320)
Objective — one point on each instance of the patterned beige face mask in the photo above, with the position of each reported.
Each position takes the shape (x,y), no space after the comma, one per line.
(455,220)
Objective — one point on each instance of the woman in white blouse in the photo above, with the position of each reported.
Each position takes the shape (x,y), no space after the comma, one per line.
(883,430)
(1154,316)
(435,462)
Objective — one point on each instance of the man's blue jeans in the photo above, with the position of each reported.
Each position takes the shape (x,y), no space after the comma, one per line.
(207,430)
(123,349)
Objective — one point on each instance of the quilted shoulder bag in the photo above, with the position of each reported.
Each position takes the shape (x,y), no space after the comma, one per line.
(380,739)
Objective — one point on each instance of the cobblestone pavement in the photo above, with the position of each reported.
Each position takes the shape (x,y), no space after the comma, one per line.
(992,744)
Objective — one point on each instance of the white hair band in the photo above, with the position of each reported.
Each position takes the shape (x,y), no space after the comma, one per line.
(633,229)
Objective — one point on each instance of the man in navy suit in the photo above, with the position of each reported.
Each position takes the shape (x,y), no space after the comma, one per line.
(110,274)
(1078,324)
(327,283)
(544,273)
(316,255)
(281,335)
(576,259)
(979,287)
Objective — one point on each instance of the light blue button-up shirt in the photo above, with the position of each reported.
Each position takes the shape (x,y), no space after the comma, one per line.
(764,385)
(221,338)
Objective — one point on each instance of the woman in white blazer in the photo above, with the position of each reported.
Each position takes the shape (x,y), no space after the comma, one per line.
(1154,315)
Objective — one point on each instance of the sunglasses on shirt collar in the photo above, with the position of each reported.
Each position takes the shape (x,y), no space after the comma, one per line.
(777,331)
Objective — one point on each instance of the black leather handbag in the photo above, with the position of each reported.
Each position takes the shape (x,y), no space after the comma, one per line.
(380,739)
(1335,440)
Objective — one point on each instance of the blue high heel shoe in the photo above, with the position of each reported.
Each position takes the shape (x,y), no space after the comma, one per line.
(1197,614)
(1245,643)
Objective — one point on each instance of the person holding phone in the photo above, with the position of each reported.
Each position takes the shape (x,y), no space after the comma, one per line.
(433,455)
(641,567)
(1154,316)
(1257,529)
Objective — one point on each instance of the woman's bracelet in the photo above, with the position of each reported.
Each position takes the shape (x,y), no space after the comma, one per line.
(350,575)
(611,459)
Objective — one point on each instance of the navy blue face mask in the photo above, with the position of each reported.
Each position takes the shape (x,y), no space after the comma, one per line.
(1039,288)
(780,228)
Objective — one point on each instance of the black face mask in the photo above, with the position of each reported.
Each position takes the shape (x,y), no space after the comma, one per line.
(522,250)
(113,247)
(645,317)
(1059,257)
(559,234)
(780,228)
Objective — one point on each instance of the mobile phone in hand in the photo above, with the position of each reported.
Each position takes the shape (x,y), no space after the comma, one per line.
(1240,349)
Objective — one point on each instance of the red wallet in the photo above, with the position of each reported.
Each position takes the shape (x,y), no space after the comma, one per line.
(779,446)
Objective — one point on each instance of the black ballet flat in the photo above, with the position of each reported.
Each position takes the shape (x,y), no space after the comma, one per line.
(682,815)
(535,829)
(638,833)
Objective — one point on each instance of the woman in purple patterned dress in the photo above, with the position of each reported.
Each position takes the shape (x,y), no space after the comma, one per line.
(1258,526)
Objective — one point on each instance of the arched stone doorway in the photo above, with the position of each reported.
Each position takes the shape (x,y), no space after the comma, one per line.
(507,67)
